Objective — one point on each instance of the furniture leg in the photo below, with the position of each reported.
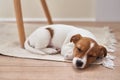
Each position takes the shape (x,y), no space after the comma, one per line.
(19,19)
(46,11)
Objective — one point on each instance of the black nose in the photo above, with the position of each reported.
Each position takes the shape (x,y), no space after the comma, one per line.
(79,63)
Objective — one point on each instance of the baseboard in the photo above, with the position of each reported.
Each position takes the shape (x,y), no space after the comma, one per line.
(54,19)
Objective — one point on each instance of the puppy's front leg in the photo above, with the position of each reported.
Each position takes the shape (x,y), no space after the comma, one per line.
(67,51)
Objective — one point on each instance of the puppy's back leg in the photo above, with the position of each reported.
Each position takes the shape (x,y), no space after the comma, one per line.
(38,40)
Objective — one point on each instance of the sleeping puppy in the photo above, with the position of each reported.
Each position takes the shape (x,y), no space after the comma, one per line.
(76,44)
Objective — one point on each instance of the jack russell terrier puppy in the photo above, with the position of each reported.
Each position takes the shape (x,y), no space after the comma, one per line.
(76,44)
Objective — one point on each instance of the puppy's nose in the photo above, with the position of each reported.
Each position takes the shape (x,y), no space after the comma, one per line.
(79,63)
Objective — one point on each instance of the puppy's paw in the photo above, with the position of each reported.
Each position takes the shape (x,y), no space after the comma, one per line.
(50,51)
(68,56)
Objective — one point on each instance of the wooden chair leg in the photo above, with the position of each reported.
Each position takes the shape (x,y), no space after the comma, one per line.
(19,19)
(46,11)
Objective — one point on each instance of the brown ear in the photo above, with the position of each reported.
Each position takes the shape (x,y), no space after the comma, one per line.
(75,38)
(102,51)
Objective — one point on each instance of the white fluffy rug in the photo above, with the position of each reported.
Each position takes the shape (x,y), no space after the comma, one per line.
(9,44)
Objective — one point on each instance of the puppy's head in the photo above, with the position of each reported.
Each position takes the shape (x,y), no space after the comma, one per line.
(86,51)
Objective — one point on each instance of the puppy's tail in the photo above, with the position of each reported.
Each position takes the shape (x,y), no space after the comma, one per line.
(31,49)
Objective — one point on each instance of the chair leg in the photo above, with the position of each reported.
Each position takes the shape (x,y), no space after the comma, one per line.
(46,11)
(19,19)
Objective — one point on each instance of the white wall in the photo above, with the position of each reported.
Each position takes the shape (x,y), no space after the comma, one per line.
(108,10)
(79,10)
(63,9)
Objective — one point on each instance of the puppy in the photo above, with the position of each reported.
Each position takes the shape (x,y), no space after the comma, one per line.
(76,44)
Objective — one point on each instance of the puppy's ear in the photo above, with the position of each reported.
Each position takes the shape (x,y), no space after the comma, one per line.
(75,38)
(102,51)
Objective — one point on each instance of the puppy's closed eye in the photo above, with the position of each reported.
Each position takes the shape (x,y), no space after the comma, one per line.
(91,56)
(79,50)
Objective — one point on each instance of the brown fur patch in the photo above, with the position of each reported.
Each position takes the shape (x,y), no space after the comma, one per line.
(51,32)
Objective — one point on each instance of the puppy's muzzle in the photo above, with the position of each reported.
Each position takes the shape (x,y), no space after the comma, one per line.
(79,62)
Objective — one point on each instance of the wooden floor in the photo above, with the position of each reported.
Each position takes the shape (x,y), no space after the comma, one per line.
(26,69)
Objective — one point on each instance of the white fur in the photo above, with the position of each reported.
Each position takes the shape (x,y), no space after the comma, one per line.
(39,39)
